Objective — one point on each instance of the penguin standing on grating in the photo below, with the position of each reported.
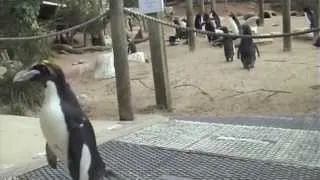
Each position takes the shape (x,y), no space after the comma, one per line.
(247,49)
(68,132)
(228,45)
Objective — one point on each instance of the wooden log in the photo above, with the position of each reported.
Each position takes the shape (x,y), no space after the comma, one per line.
(119,43)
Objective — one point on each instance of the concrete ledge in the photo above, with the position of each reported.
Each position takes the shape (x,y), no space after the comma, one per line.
(24,150)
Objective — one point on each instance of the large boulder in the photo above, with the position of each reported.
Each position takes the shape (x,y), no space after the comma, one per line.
(3,71)
(104,66)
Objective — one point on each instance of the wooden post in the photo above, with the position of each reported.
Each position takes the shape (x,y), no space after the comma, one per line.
(119,43)
(190,19)
(145,26)
(261,12)
(286,25)
(226,5)
(316,34)
(202,9)
(213,5)
(159,64)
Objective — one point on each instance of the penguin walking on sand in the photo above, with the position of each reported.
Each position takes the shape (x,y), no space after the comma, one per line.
(68,132)
(228,45)
(247,49)
(237,22)
(214,16)
(209,26)
(198,21)
(310,17)
(132,48)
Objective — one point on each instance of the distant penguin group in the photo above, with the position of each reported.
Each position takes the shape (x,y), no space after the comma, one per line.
(209,26)
(211,22)
(180,32)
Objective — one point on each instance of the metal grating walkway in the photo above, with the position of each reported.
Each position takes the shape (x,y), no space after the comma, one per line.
(133,161)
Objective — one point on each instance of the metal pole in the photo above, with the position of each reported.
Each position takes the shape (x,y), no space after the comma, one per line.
(286,25)
(119,43)
(190,19)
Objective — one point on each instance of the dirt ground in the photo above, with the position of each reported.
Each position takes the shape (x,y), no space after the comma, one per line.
(202,83)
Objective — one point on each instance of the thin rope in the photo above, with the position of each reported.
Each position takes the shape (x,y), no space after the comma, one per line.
(43,36)
(149,18)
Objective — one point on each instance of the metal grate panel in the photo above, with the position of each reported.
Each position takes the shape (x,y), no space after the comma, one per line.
(133,161)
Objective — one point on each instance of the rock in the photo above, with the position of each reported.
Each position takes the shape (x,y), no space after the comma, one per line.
(104,66)
(137,57)
(168,10)
(62,52)
(78,62)
(108,41)
(84,99)
(9,68)
(3,70)
(308,36)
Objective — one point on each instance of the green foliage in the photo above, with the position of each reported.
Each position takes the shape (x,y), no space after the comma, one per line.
(19,18)
(79,11)
(300,4)
(131,3)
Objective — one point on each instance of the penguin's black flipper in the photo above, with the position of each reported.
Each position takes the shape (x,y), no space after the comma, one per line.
(51,157)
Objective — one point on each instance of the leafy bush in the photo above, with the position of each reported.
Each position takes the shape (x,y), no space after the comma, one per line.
(19,18)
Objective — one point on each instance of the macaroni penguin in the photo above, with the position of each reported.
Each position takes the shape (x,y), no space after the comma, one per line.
(68,132)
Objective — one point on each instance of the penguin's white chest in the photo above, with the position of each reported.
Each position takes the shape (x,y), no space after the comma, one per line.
(232,26)
(53,124)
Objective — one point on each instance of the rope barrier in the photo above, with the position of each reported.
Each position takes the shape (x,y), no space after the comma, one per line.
(149,18)
(219,34)
(56,32)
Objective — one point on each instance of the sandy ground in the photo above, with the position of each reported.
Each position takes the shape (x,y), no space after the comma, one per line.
(202,83)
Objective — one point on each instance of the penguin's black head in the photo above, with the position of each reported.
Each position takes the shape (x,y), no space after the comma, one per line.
(206,17)
(41,72)
(232,15)
(246,29)
(307,10)
(224,29)
(214,13)
(176,22)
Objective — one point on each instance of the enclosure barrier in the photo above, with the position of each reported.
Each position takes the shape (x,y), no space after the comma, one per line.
(107,147)
(149,18)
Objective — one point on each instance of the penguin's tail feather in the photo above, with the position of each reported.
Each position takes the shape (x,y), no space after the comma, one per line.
(110,175)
